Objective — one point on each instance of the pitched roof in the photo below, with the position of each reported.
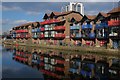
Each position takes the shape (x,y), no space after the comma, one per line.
(45,16)
(76,17)
(114,10)
(103,14)
(91,17)
(57,13)
(27,24)
(68,12)
(62,13)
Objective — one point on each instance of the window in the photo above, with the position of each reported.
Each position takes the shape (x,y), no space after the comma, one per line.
(78,8)
(73,7)
(114,31)
(101,33)
(67,8)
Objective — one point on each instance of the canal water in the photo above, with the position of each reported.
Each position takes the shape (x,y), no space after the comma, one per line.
(28,63)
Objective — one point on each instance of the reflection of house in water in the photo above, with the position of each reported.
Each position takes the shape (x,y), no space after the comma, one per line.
(88,68)
(55,64)
(114,70)
(22,56)
(102,70)
(35,59)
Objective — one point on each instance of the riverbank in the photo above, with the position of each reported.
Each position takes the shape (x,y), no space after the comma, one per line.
(84,49)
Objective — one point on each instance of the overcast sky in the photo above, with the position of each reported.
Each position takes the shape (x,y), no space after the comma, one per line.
(16,13)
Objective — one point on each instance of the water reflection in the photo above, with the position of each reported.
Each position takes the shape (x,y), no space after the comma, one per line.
(58,65)
(12,69)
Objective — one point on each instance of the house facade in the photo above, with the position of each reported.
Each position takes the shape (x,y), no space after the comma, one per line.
(114,28)
(72,28)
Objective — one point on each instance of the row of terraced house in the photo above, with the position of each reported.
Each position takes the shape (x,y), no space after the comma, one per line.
(72,28)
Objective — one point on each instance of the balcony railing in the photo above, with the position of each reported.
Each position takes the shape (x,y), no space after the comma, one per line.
(41,36)
(59,28)
(59,35)
(102,35)
(42,29)
(27,36)
(114,23)
(18,37)
(76,36)
(86,26)
(21,31)
(49,21)
(46,28)
(22,36)
(113,34)
(59,69)
(35,30)
(35,36)
(74,27)
(90,35)
(101,25)
(14,35)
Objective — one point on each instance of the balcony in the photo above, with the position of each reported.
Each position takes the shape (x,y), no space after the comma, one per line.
(101,25)
(21,31)
(49,21)
(113,34)
(27,36)
(42,29)
(46,28)
(41,36)
(35,36)
(59,69)
(102,35)
(114,23)
(59,28)
(35,30)
(46,35)
(18,37)
(89,36)
(59,35)
(22,36)
(74,27)
(38,29)
(14,35)
(86,26)
(92,35)
(78,35)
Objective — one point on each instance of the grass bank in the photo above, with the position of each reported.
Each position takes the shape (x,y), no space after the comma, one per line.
(78,49)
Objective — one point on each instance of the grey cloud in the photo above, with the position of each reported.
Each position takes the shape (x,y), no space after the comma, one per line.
(94,8)
(34,7)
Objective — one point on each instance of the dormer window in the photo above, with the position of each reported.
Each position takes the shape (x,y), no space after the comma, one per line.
(62,17)
(85,23)
(78,24)
(74,24)
(91,23)
(45,17)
